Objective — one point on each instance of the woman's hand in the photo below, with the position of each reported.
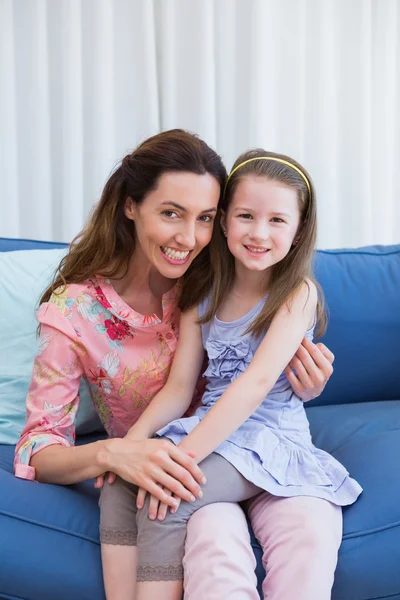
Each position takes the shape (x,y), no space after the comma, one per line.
(312,364)
(152,465)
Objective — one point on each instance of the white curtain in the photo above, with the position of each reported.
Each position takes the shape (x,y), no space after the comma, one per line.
(82,82)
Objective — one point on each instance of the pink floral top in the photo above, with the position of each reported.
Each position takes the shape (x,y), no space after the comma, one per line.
(89,331)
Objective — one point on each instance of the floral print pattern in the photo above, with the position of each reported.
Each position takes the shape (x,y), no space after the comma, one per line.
(117,330)
(88,331)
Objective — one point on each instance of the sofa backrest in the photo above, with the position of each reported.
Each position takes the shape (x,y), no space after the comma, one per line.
(362,291)
(11,244)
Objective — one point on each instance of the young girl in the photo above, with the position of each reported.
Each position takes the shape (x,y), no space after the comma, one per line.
(251,433)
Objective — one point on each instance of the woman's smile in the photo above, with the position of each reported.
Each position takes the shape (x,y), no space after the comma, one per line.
(175,257)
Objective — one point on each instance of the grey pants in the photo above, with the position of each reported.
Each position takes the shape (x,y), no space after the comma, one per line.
(161,544)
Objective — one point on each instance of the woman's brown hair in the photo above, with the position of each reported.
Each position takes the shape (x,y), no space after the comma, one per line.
(107,241)
(289,273)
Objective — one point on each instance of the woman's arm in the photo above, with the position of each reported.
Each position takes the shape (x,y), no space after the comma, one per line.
(246,393)
(53,396)
(46,449)
(175,397)
(66,465)
(146,463)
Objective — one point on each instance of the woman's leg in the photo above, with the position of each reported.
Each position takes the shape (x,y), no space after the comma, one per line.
(118,534)
(300,538)
(119,571)
(219,561)
(161,543)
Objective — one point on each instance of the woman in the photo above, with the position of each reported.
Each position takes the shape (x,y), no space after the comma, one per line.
(111,315)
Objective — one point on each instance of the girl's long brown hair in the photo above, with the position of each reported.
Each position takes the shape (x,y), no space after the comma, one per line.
(107,241)
(288,274)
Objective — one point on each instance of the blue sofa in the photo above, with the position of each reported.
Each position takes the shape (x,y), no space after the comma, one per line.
(49,547)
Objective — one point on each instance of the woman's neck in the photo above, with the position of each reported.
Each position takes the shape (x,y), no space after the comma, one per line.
(142,288)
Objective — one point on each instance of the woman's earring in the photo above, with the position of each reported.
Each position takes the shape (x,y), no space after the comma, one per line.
(224,232)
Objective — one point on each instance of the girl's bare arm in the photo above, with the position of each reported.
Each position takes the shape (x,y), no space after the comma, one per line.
(246,393)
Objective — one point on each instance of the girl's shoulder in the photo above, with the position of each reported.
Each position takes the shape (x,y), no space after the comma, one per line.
(304,297)
(303,302)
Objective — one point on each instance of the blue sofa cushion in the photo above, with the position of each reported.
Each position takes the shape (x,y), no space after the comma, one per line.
(49,544)
(362,290)
(11,244)
(24,274)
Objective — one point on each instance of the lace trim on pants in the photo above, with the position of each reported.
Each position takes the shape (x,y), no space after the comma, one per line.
(121,537)
(159,573)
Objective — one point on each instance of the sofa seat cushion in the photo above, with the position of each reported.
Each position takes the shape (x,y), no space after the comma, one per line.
(365,437)
(49,538)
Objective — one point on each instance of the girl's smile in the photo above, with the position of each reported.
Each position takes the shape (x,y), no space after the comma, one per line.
(256,251)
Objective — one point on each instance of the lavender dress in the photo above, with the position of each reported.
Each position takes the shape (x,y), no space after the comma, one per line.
(273,448)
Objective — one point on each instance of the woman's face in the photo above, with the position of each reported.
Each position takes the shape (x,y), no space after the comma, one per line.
(174,222)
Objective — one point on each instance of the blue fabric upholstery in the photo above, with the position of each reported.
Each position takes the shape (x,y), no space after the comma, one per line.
(11,244)
(362,290)
(365,437)
(49,548)
(24,275)
(49,534)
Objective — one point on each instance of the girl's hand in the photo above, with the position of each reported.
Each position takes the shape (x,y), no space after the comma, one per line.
(313,366)
(152,463)
(99,481)
(157,510)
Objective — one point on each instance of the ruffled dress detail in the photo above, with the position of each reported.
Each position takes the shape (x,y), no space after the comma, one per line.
(227,359)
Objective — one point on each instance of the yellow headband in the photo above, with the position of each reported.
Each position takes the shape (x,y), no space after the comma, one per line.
(280,160)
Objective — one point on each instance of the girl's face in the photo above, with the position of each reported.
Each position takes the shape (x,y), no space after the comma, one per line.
(174,222)
(261,222)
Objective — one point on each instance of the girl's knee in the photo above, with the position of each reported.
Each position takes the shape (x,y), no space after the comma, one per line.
(217,519)
(217,538)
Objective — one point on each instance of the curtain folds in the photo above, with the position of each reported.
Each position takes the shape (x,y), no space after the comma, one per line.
(82,82)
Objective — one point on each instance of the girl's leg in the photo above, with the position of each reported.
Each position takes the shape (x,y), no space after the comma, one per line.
(219,561)
(300,538)
(118,533)
(162,543)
